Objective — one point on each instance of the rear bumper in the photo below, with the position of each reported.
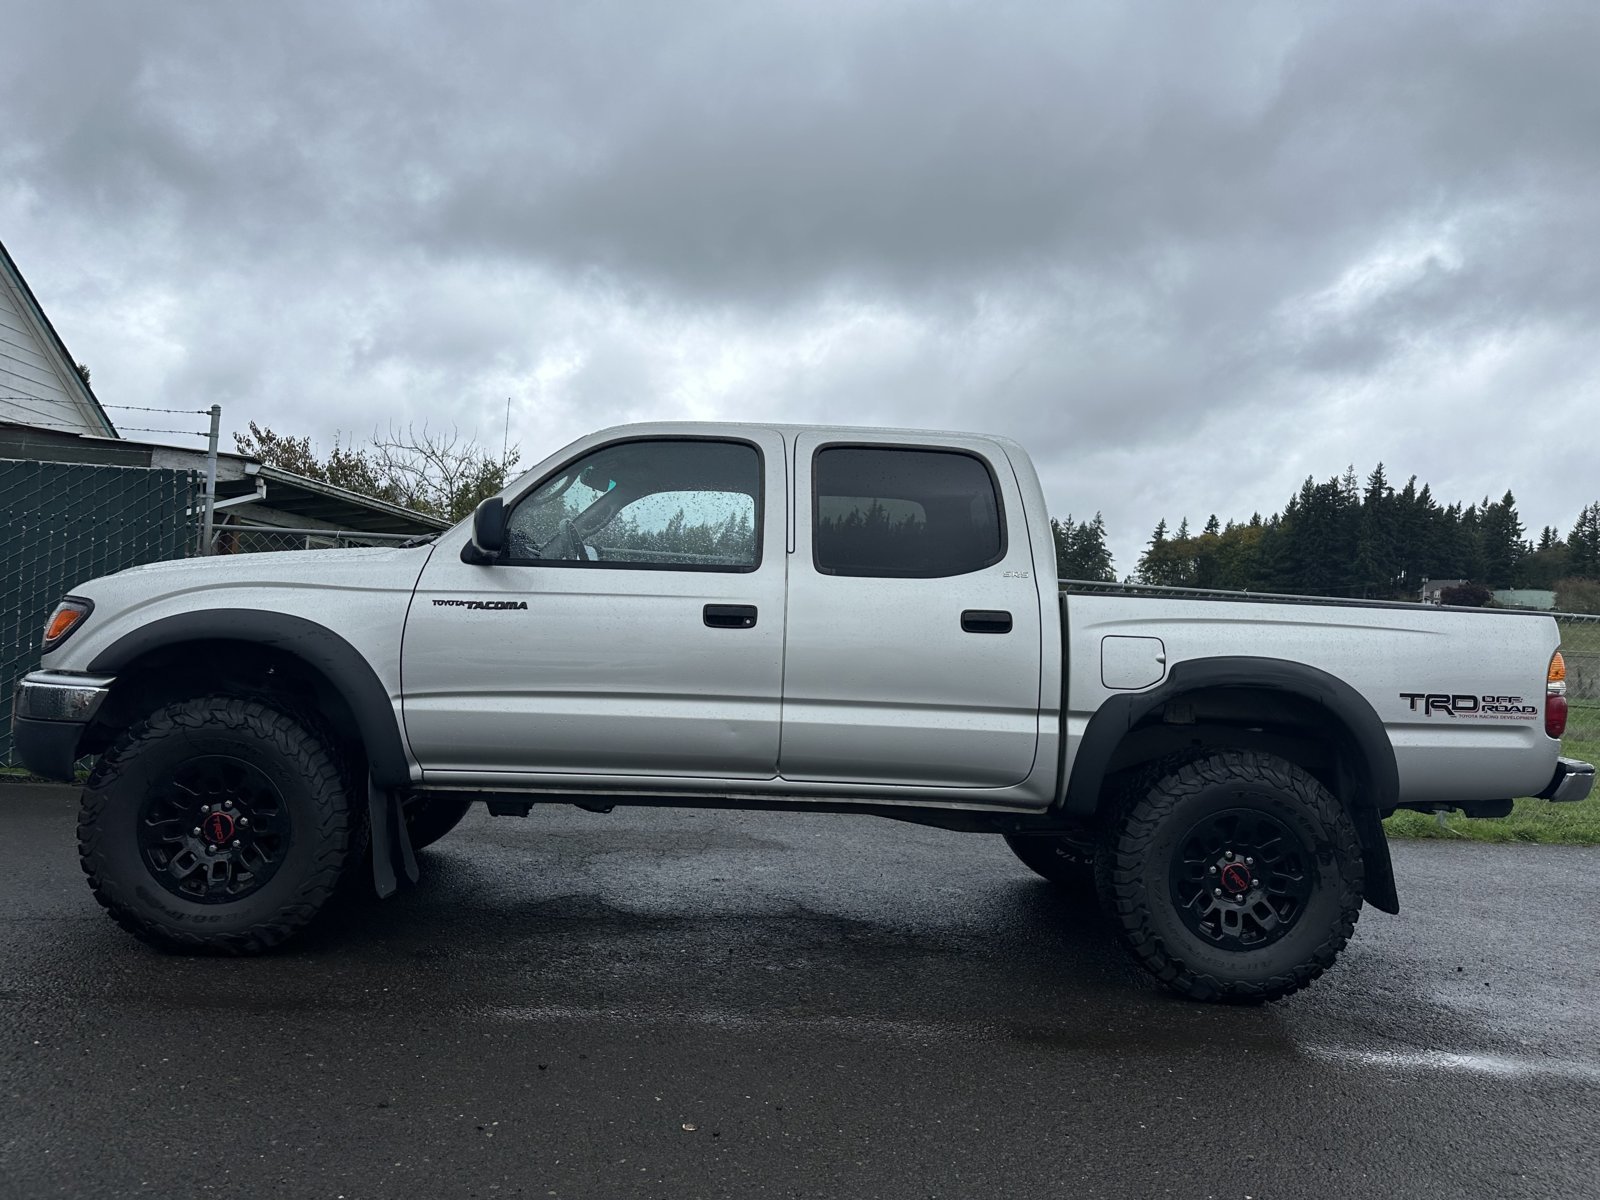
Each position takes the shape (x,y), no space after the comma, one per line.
(52,710)
(1572,781)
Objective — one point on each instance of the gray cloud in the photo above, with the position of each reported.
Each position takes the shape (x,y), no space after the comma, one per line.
(1187,255)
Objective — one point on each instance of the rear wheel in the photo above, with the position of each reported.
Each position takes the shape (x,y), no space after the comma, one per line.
(217,824)
(1066,862)
(1237,877)
(429,818)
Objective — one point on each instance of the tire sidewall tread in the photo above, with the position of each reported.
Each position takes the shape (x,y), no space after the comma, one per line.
(1158,806)
(310,778)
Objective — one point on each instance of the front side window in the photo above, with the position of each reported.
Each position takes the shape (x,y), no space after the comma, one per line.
(922,514)
(670,503)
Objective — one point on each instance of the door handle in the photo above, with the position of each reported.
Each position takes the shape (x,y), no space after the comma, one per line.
(986,620)
(730,616)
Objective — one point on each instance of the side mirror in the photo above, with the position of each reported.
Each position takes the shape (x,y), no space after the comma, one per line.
(488,532)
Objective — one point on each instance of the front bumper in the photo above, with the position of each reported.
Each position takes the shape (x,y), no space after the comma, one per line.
(1571,782)
(51,711)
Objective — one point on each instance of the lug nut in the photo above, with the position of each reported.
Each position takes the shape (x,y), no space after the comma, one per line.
(227,804)
(1216,891)
(205,808)
(1238,899)
(235,843)
(211,849)
(244,822)
(1228,854)
(197,831)
(1213,870)
(1249,862)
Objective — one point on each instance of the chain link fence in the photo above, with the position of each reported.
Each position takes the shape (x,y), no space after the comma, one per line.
(67,523)
(243,538)
(1580,647)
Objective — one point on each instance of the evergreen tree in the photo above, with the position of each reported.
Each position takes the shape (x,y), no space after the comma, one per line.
(1583,543)
(1376,570)
(1500,536)
(1081,551)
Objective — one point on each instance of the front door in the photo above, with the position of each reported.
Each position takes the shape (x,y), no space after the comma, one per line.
(913,644)
(634,625)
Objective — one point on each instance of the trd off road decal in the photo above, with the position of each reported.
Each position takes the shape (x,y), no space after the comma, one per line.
(1493,708)
(494,605)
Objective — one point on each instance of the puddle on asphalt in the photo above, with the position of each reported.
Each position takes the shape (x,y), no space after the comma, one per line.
(1504,1066)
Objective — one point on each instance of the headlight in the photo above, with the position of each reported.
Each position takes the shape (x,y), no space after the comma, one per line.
(69,614)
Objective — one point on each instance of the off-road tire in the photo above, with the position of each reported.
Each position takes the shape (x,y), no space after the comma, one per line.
(324,824)
(1147,829)
(429,818)
(1063,862)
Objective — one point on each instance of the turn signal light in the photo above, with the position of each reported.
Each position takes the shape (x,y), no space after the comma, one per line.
(1555,697)
(68,615)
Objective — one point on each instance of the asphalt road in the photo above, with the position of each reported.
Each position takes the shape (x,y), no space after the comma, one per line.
(704,1005)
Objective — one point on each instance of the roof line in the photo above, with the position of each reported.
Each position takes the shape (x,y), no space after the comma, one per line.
(336,492)
(87,392)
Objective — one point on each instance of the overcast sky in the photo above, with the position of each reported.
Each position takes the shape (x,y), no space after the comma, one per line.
(1186,253)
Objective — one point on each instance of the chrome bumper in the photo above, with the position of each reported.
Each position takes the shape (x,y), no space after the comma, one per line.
(1571,782)
(60,696)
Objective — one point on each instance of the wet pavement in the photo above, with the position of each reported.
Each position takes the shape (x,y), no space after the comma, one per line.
(663,1004)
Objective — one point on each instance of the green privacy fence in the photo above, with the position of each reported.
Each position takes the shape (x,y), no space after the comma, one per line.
(66,523)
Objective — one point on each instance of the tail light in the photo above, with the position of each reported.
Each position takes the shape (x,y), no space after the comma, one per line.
(1555,696)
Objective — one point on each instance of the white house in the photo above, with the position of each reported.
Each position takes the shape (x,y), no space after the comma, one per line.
(39,383)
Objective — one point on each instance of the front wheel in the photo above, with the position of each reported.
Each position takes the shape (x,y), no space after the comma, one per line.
(1237,877)
(217,824)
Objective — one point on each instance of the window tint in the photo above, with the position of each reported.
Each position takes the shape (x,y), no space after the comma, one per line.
(689,505)
(908,513)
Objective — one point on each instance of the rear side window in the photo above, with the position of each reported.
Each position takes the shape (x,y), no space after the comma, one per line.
(917,514)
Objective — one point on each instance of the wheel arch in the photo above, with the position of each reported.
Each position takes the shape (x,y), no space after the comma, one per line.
(241,647)
(1220,701)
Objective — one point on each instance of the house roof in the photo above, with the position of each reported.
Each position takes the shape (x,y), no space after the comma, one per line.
(63,365)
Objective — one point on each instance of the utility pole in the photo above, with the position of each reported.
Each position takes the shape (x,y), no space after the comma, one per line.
(211,478)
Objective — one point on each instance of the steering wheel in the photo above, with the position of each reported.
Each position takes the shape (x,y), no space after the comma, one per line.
(574,543)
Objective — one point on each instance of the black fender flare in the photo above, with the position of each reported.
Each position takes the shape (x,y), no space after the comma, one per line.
(1376,777)
(341,664)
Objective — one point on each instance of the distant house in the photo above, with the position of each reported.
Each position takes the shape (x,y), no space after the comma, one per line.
(1432,589)
(1526,598)
(39,383)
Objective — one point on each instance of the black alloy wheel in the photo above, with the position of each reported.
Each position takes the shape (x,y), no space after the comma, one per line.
(1241,878)
(216,831)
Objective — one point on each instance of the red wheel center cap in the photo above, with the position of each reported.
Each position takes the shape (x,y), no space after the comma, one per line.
(1236,877)
(218,828)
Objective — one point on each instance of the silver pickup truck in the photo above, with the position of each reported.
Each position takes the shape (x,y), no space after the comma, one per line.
(791,618)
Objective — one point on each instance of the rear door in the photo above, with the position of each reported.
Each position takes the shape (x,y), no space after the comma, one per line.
(913,641)
(633,627)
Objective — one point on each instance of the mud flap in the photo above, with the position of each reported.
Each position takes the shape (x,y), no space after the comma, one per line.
(392,855)
(1381,892)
